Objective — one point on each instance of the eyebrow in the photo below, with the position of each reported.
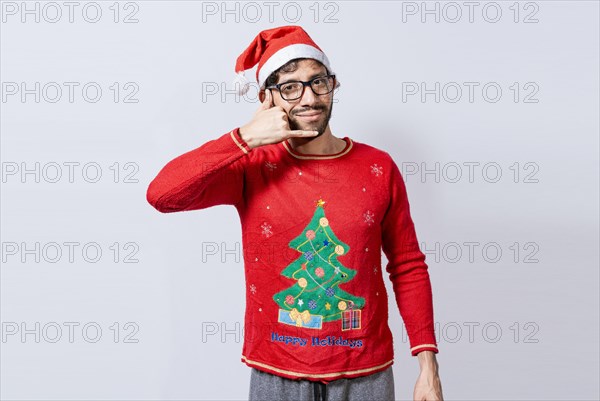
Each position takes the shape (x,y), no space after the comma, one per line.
(319,74)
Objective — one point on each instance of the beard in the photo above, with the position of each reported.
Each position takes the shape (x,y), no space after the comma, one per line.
(319,125)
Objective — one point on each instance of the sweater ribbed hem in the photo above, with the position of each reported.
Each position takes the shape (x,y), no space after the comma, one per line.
(315,376)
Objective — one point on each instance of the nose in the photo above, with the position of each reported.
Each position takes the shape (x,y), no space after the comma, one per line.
(308,97)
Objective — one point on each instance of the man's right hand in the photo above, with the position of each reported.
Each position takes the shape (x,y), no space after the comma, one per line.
(269,125)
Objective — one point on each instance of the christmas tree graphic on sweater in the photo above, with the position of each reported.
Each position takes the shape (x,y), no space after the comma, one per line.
(316,296)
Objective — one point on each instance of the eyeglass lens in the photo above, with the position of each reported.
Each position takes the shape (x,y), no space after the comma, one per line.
(293,90)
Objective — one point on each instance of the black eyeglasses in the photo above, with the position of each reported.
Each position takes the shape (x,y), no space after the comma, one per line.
(294,90)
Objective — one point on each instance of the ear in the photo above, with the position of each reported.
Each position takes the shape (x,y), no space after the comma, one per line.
(261,95)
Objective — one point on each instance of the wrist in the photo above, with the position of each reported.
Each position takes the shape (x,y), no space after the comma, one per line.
(244,136)
(427,361)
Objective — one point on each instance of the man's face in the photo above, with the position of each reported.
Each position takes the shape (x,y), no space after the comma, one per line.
(311,111)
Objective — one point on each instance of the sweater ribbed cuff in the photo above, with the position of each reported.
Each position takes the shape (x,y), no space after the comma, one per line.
(423,347)
(237,138)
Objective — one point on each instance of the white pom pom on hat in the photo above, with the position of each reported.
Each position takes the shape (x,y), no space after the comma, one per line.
(241,83)
(273,48)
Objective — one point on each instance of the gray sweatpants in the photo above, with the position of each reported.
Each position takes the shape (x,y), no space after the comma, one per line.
(269,387)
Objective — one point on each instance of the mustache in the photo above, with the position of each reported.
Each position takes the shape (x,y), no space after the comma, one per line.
(309,109)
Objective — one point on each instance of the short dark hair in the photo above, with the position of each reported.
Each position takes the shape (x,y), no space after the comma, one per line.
(291,66)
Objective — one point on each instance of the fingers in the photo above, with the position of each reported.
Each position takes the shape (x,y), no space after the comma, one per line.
(301,133)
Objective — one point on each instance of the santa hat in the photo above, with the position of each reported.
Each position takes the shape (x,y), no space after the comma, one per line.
(271,49)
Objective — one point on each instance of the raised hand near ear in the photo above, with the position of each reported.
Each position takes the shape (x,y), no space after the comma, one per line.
(269,125)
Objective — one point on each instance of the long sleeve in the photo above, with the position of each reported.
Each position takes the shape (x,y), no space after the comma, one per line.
(407,268)
(212,174)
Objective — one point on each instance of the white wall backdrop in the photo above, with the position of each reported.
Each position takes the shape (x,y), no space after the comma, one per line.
(490,109)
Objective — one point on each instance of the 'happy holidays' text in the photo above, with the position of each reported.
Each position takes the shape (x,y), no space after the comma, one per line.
(316,341)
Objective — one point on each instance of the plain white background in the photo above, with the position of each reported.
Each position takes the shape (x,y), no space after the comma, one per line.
(546,310)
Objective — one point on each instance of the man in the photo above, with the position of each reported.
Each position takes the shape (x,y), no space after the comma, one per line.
(316,211)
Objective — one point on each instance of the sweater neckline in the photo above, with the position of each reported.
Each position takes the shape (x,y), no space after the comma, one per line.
(312,156)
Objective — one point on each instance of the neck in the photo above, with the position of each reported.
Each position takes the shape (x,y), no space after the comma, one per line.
(325,144)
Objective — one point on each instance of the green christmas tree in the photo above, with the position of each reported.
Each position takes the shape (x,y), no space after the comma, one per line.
(316,297)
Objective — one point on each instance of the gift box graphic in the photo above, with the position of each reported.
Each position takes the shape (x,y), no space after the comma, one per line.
(351,319)
(300,319)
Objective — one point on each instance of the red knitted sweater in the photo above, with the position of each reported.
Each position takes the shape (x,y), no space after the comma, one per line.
(313,227)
